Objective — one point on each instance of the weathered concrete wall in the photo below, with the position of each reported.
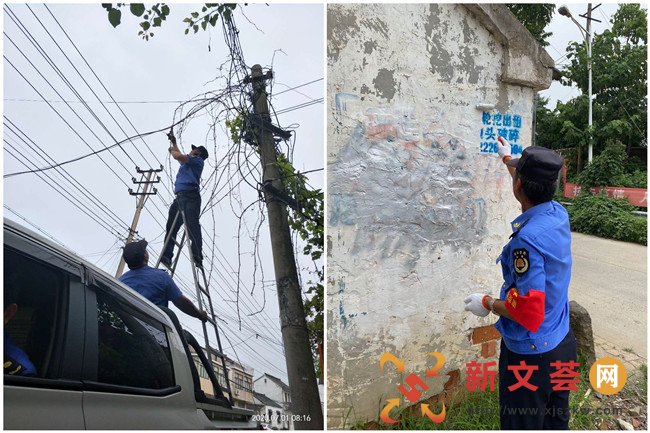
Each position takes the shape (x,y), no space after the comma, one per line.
(418,208)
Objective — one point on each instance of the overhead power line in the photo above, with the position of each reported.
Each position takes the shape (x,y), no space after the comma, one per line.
(299,106)
(112,101)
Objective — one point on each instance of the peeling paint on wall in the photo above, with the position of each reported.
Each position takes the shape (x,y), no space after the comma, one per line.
(369,46)
(440,58)
(339,24)
(417,213)
(406,186)
(385,83)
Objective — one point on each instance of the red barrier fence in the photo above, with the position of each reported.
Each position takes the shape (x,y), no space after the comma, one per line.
(636,196)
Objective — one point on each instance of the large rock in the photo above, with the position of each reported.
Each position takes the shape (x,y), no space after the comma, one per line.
(580,322)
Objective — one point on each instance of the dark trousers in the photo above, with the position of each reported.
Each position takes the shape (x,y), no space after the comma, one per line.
(542,409)
(190,203)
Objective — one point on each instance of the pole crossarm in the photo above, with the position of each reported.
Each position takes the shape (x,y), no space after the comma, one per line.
(145,174)
(262,122)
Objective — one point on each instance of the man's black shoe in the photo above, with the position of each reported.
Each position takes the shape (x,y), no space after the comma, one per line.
(198,262)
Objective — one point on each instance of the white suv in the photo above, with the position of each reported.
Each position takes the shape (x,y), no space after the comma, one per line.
(105,357)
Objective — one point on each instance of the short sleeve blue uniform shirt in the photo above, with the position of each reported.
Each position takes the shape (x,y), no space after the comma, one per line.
(16,361)
(154,284)
(536,266)
(188,177)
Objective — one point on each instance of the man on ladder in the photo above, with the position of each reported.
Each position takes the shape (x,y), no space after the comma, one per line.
(185,211)
(155,284)
(188,202)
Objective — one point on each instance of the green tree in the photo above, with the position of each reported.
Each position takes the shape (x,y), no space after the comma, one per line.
(158,13)
(619,70)
(535,17)
(547,125)
(606,168)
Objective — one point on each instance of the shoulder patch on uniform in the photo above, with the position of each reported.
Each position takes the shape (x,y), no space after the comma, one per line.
(521,262)
(11,366)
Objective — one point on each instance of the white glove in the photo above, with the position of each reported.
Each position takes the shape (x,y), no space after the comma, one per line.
(474,303)
(503,147)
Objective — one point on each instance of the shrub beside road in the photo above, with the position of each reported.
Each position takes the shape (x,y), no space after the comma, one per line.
(607,217)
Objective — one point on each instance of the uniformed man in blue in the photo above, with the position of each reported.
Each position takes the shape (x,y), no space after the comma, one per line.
(154,284)
(533,302)
(16,361)
(188,199)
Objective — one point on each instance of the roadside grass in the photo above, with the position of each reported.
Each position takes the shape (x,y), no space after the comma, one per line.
(584,403)
(636,387)
(644,384)
(477,410)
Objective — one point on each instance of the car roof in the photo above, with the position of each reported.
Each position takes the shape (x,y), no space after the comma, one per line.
(116,287)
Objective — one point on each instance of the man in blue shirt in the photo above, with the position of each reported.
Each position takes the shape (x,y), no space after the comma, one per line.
(154,284)
(533,302)
(16,361)
(188,199)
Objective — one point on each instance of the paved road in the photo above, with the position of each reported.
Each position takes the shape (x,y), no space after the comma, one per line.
(610,280)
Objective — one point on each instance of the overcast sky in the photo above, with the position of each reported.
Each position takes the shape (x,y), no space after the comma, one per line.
(141,76)
(564,32)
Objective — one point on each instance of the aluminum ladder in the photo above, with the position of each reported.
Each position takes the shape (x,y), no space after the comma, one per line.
(203,297)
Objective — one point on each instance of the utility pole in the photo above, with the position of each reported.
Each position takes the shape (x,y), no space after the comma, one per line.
(140,205)
(590,151)
(305,400)
(563,10)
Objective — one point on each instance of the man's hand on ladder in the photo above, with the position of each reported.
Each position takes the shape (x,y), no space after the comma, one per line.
(203,316)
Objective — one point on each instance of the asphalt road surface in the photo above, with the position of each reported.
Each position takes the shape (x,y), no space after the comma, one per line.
(609,279)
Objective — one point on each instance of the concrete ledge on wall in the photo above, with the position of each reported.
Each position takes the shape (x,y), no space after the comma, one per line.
(526,63)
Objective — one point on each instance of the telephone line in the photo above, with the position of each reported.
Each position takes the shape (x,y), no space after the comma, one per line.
(104,87)
(95,218)
(62,171)
(65,80)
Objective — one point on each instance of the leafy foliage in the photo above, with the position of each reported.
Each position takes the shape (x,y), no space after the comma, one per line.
(619,105)
(635,179)
(308,222)
(535,17)
(608,218)
(154,16)
(619,70)
(606,168)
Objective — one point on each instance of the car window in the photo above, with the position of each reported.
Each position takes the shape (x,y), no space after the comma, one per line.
(133,349)
(33,298)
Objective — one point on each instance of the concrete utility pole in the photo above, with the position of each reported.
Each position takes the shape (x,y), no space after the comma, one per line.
(563,10)
(305,401)
(590,152)
(139,206)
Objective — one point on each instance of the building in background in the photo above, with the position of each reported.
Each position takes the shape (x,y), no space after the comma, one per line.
(419,204)
(276,390)
(240,377)
(272,412)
